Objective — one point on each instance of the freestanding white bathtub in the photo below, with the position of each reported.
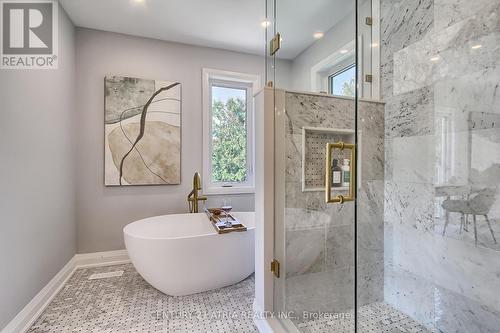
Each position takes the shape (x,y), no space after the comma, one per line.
(182,254)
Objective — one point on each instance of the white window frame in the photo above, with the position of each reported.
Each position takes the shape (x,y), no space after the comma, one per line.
(337,70)
(331,64)
(251,83)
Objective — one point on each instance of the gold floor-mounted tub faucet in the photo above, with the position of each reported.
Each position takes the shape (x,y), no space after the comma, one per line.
(193,197)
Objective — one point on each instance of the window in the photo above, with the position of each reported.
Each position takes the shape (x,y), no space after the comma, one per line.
(228,157)
(325,73)
(343,83)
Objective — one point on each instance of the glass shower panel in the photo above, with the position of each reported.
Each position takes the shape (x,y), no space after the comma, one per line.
(314,240)
(317,251)
(429,246)
(269,25)
(367,49)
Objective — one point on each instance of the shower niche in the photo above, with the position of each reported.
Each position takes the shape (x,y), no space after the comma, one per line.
(314,141)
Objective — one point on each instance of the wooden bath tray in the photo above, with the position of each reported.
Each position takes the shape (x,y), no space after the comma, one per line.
(218,219)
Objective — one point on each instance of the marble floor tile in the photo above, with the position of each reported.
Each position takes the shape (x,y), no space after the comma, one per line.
(129,304)
(373,318)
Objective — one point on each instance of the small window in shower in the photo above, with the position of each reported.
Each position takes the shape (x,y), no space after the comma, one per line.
(228,139)
(343,82)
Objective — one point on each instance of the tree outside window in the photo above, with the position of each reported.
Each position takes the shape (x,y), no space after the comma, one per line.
(343,83)
(229,135)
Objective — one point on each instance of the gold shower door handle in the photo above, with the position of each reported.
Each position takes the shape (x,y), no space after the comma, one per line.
(328,173)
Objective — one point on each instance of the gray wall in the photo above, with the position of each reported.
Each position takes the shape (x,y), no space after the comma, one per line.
(102,212)
(337,37)
(37,198)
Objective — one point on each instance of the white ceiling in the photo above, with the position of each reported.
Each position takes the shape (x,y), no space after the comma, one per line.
(226,24)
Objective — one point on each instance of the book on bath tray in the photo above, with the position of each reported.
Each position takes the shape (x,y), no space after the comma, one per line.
(224,222)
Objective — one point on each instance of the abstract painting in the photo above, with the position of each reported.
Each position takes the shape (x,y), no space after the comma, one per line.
(142,131)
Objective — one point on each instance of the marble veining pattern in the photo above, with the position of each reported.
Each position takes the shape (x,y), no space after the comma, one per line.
(447,13)
(446,53)
(403,23)
(441,76)
(319,237)
(129,304)
(410,114)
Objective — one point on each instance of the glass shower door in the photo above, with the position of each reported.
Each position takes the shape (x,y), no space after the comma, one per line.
(314,158)
(316,237)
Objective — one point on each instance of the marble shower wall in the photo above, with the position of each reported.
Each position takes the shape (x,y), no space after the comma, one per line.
(319,236)
(440,82)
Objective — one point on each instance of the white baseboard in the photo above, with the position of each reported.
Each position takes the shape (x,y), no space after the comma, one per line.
(101,258)
(24,319)
(266,324)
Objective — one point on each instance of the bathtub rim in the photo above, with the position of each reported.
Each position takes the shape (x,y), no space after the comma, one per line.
(214,233)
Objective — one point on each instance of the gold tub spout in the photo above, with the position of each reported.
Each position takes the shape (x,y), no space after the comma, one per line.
(193,196)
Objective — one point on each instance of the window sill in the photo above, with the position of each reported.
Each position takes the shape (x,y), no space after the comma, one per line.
(229,190)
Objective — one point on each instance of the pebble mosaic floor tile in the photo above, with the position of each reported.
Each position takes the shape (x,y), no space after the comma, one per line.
(127,303)
(373,318)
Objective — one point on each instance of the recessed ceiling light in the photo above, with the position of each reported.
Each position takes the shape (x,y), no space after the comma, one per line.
(138,2)
(265,24)
(477,46)
(343,51)
(435,58)
(318,35)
